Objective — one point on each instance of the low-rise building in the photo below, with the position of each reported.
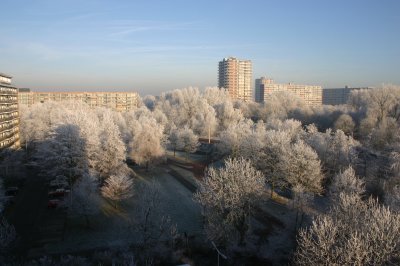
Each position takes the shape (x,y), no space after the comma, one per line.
(337,96)
(118,101)
(312,95)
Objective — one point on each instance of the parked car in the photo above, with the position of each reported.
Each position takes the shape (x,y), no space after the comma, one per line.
(58,193)
(11,191)
(56,203)
(53,203)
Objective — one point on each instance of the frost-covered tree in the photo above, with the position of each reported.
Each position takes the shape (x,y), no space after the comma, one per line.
(353,232)
(228,196)
(384,134)
(187,107)
(64,153)
(335,149)
(252,144)
(147,142)
(149,101)
(84,198)
(292,128)
(117,188)
(302,167)
(281,105)
(379,112)
(232,138)
(302,171)
(38,120)
(87,121)
(269,158)
(26,127)
(187,140)
(392,186)
(346,182)
(173,139)
(227,114)
(345,123)
(113,150)
(215,96)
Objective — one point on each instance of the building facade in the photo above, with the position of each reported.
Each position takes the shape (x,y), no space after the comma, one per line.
(312,95)
(337,96)
(118,101)
(9,116)
(259,90)
(235,76)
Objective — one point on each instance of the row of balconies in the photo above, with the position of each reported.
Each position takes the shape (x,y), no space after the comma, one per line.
(14,113)
(8,126)
(8,99)
(6,91)
(7,142)
(6,135)
(7,109)
(9,117)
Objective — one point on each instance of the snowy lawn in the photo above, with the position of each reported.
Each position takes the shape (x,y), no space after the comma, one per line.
(113,227)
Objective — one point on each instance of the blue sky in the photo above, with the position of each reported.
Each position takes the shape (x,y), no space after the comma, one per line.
(154,46)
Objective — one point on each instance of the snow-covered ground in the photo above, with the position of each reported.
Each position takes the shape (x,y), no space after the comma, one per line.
(113,228)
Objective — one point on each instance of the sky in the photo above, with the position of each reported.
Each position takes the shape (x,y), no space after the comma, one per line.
(154,46)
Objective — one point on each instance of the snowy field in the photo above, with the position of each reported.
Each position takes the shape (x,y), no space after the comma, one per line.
(113,227)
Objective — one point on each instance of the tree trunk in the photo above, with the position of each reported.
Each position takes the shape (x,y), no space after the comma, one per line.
(174,152)
(242,228)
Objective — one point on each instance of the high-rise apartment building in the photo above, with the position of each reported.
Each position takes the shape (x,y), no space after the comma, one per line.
(312,95)
(118,101)
(9,116)
(235,76)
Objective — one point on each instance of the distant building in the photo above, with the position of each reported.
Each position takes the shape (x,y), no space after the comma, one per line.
(9,116)
(312,95)
(259,90)
(235,76)
(118,101)
(337,96)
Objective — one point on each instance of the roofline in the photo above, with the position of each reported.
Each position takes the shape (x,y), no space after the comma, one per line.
(5,75)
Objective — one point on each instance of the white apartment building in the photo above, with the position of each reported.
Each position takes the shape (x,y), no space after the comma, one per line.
(9,115)
(235,76)
(312,95)
(337,96)
(118,101)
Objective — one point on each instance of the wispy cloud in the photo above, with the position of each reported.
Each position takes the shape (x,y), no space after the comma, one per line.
(120,28)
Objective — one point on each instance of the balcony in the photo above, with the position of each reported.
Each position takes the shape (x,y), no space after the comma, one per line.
(4,144)
(8,118)
(8,127)
(2,92)
(9,100)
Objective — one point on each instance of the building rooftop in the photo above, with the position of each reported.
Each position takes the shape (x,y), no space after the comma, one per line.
(5,75)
